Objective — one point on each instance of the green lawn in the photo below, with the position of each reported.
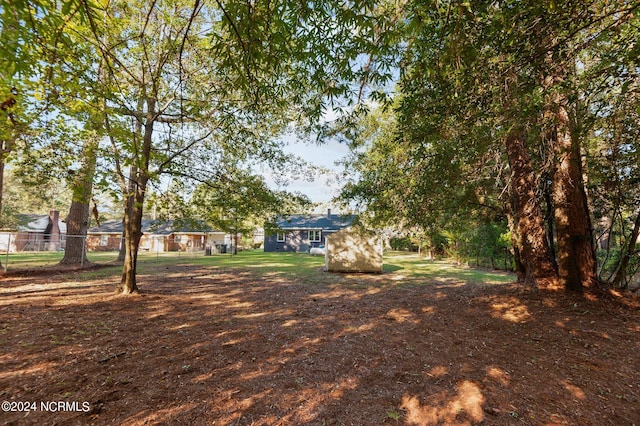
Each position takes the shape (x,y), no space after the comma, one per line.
(257,261)
(414,266)
(400,266)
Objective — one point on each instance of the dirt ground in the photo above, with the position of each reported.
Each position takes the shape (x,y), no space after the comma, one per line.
(226,347)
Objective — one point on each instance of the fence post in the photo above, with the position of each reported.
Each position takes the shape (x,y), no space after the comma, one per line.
(6,263)
(84,242)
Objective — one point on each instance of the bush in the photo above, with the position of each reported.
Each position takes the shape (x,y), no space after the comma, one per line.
(402,244)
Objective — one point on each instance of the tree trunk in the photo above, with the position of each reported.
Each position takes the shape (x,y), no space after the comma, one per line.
(1,185)
(518,265)
(134,204)
(432,248)
(78,218)
(235,235)
(122,251)
(549,217)
(532,243)
(133,234)
(577,266)
(128,206)
(618,280)
(75,252)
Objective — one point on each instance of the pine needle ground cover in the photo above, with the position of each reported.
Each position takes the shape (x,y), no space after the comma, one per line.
(271,339)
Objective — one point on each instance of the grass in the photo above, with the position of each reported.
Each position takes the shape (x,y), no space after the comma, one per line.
(412,265)
(405,264)
(261,262)
(257,262)
(409,266)
(35,259)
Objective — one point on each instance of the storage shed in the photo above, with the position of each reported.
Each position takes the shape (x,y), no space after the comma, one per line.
(353,249)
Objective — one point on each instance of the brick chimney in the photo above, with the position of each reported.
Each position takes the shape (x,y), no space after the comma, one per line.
(328,213)
(54,231)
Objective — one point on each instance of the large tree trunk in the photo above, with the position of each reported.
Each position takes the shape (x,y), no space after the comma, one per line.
(134,204)
(78,218)
(519,266)
(532,242)
(577,266)
(549,217)
(77,224)
(133,234)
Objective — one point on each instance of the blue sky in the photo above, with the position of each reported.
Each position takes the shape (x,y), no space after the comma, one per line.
(324,187)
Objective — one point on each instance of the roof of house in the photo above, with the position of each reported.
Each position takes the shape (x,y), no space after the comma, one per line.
(315,221)
(38,223)
(156,227)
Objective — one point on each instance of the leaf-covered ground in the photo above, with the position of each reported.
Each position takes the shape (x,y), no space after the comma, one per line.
(209,345)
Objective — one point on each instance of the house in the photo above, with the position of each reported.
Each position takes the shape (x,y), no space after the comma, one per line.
(106,237)
(353,249)
(38,232)
(299,233)
(157,236)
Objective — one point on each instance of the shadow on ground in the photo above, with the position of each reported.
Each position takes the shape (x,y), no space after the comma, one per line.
(231,347)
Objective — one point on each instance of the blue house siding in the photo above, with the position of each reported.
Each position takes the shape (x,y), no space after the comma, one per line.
(296,229)
(294,241)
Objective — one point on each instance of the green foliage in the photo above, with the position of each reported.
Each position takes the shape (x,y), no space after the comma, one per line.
(238,201)
(486,244)
(20,199)
(609,261)
(470,74)
(403,243)
(180,88)
(202,90)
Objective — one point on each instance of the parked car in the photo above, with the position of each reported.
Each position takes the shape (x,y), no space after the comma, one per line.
(317,251)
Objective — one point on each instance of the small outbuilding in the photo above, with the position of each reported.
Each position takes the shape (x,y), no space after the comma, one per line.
(353,249)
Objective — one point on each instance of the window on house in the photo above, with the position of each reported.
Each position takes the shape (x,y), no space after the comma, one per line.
(280,237)
(104,240)
(314,236)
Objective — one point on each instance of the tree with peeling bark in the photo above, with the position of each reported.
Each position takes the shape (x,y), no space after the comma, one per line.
(478,76)
(532,245)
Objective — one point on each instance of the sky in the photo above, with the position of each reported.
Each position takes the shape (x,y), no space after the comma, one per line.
(324,187)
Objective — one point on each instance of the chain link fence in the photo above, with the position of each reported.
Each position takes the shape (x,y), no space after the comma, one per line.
(22,250)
